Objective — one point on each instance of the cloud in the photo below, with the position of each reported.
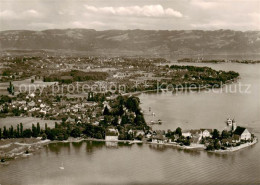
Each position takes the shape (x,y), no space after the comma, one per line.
(142,11)
(31,12)
(9,14)
(78,24)
(131,14)
(220,24)
(204,4)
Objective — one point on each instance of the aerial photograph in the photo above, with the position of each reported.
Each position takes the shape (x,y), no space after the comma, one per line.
(129,92)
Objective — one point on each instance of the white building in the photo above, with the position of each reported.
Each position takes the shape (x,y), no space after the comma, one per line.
(186,134)
(111,138)
(112,135)
(242,133)
(206,132)
(231,124)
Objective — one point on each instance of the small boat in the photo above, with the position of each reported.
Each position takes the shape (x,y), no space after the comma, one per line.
(62,167)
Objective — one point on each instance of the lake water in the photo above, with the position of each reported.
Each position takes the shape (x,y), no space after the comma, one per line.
(107,163)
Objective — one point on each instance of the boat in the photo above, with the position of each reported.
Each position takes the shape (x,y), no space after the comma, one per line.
(62,167)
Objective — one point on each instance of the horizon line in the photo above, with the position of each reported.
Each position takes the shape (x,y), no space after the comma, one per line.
(129,29)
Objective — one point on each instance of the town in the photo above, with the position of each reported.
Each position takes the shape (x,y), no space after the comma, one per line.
(75,94)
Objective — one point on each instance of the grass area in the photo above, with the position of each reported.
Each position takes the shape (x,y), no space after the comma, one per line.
(27,122)
(75,75)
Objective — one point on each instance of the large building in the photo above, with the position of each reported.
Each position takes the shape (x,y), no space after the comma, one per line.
(231,124)
(112,135)
(241,133)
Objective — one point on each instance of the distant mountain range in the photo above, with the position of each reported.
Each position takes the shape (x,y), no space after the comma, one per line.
(135,42)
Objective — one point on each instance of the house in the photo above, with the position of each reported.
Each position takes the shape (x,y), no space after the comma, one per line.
(119,75)
(42,105)
(130,131)
(111,135)
(96,123)
(111,138)
(43,111)
(196,136)
(186,133)
(139,132)
(195,133)
(206,132)
(32,95)
(160,139)
(149,134)
(241,133)
(70,120)
(31,104)
(159,132)
(23,102)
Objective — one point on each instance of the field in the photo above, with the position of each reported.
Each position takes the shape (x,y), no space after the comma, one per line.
(27,122)
(24,85)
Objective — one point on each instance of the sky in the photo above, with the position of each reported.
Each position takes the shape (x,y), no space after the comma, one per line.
(240,15)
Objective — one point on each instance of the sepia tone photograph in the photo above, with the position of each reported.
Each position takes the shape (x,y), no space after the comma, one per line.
(129,92)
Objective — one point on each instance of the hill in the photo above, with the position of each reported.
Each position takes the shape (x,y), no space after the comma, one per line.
(135,42)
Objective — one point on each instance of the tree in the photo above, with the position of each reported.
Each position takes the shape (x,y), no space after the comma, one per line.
(124,120)
(115,121)
(32,80)
(44,136)
(215,134)
(10,89)
(120,110)
(106,111)
(27,133)
(38,128)
(5,133)
(178,131)
(0,133)
(5,109)
(50,134)
(34,131)
(210,147)
(11,132)
(139,120)
(186,142)
(217,145)
(21,129)
(75,132)
(17,131)
(224,134)
(132,103)
(172,137)
(5,99)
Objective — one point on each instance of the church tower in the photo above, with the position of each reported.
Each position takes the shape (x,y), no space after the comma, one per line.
(231,124)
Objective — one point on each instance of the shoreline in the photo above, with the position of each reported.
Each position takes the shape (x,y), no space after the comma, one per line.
(236,148)
(220,62)
(20,150)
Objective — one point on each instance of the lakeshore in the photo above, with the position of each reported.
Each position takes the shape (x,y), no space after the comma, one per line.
(12,149)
